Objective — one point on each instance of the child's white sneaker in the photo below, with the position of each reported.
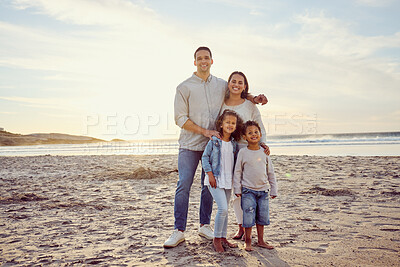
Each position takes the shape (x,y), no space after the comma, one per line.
(175,239)
(206,231)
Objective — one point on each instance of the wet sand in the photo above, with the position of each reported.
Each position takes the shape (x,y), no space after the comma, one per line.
(118,210)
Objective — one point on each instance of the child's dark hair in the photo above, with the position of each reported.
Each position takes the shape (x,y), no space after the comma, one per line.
(246,89)
(248,124)
(239,123)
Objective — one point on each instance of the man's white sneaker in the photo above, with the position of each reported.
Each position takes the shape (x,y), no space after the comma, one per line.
(175,239)
(206,231)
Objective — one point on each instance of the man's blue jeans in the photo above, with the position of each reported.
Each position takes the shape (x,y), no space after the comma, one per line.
(188,160)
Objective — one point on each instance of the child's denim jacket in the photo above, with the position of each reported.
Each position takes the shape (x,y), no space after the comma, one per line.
(211,159)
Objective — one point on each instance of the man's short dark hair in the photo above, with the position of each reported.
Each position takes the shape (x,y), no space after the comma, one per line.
(202,48)
(248,124)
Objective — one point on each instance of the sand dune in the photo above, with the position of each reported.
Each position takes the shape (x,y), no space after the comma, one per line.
(11,139)
(118,210)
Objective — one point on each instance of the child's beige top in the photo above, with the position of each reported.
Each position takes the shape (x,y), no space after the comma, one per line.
(254,170)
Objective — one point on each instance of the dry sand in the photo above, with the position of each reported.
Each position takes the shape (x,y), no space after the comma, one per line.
(118,210)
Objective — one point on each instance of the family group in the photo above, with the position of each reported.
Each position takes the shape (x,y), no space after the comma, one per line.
(222,127)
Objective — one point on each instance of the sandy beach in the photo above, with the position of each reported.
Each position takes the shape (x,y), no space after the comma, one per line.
(118,210)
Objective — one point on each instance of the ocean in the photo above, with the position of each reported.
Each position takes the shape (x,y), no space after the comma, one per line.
(350,144)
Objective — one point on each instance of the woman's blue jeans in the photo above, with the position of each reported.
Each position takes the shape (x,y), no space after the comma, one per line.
(221,197)
(188,160)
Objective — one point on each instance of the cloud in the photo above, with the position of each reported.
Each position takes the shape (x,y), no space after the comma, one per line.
(332,37)
(351,61)
(132,59)
(130,64)
(46,103)
(32,48)
(251,5)
(128,36)
(56,77)
(88,12)
(255,12)
(124,33)
(58,115)
(108,62)
(7,87)
(375,3)
(324,69)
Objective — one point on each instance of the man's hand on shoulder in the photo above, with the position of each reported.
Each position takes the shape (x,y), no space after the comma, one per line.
(192,127)
(210,133)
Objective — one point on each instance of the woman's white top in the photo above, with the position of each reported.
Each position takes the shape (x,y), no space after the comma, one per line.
(247,112)
(227,163)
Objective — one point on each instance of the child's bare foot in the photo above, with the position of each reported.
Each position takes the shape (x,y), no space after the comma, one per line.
(248,247)
(247,235)
(218,245)
(240,233)
(264,244)
(226,242)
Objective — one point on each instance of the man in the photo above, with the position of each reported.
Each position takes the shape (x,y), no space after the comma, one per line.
(198,101)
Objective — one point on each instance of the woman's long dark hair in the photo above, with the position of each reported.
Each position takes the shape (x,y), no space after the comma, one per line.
(246,89)
(236,135)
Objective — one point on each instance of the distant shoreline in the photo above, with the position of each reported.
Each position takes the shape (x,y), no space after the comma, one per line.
(286,142)
(12,139)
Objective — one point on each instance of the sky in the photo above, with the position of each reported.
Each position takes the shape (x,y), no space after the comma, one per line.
(109,68)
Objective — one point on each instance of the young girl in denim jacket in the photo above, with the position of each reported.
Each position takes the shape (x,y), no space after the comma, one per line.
(218,162)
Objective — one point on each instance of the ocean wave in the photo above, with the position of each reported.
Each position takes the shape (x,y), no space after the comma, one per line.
(153,147)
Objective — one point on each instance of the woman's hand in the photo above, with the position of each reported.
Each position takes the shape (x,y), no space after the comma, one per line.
(260,99)
(212,180)
(238,195)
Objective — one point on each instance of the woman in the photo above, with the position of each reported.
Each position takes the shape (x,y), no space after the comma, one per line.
(236,101)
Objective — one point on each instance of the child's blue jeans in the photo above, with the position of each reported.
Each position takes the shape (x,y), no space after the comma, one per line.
(221,197)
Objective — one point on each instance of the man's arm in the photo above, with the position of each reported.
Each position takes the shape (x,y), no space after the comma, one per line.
(181,114)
